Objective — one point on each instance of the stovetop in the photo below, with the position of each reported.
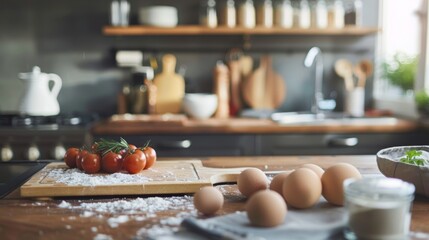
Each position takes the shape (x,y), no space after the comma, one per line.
(19,121)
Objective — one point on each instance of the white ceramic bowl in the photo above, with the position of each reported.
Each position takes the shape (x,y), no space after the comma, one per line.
(200,105)
(158,16)
(389,164)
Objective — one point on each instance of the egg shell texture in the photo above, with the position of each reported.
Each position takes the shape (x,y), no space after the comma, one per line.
(266,209)
(277,182)
(318,170)
(332,181)
(302,188)
(252,180)
(208,200)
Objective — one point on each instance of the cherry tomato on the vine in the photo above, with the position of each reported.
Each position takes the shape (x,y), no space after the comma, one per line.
(70,157)
(134,163)
(150,154)
(79,159)
(91,163)
(111,162)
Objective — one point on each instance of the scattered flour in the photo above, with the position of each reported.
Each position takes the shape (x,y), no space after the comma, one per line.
(64,204)
(87,214)
(115,221)
(76,177)
(101,236)
(139,209)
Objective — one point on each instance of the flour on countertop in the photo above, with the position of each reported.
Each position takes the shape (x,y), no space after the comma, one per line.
(76,177)
(101,236)
(115,221)
(138,209)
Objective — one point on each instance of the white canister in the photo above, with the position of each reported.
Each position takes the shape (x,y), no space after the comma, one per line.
(355,102)
(247,14)
(283,16)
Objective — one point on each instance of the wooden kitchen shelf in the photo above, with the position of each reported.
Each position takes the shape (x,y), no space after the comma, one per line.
(201,30)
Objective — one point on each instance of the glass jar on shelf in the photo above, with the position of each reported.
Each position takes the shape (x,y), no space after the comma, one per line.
(228,14)
(264,14)
(302,14)
(319,14)
(283,14)
(336,14)
(246,14)
(353,12)
(208,15)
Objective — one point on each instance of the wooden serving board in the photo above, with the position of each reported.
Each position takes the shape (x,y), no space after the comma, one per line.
(166,177)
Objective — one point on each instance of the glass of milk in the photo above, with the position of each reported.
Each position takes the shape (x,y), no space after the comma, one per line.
(378,208)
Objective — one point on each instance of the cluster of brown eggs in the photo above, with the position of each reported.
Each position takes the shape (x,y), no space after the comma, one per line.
(267,202)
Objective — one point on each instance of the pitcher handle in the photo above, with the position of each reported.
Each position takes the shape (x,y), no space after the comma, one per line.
(57,84)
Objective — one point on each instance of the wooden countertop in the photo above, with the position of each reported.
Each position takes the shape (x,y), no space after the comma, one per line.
(238,126)
(45,219)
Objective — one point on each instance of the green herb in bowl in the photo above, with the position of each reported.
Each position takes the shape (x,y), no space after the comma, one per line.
(414,157)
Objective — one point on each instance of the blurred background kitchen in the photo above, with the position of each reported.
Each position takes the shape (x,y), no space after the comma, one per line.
(103,51)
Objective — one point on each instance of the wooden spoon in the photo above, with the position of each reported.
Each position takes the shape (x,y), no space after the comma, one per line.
(363,70)
(344,69)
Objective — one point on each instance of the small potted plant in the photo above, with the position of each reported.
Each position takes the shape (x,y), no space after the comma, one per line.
(400,71)
(422,102)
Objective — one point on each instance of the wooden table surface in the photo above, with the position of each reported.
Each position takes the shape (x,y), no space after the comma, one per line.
(45,219)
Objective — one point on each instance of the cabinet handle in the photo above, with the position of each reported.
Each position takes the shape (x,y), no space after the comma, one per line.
(185,144)
(343,142)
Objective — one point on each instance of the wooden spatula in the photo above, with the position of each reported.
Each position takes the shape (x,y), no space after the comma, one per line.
(170,87)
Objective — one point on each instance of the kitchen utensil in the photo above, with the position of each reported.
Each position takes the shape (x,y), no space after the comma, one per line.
(363,70)
(38,98)
(158,16)
(355,102)
(264,88)
(233,59)
(221,89)
(275,89)
(344,69)
(246,65)
(200,105)
(165,177)
(170,87)
(254,86)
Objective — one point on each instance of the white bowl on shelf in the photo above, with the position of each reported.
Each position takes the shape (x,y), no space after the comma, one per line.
(158,16)
(200,105)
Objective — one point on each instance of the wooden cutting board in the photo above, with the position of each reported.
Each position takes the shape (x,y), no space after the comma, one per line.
(170,87)
(166,177)
(264,88)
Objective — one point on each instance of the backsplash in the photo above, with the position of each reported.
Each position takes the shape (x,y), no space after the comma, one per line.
(65,37)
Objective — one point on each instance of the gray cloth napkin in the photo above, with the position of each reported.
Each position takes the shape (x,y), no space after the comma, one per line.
(323,221)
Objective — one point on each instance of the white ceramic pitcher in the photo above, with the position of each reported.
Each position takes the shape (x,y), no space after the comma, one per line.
(39,99)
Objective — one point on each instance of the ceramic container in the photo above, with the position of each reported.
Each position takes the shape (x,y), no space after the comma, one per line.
(200,105)
(388,161)
(158,16)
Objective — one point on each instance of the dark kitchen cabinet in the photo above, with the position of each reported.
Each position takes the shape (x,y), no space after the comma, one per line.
(205,145)
(335,144)
(195,145)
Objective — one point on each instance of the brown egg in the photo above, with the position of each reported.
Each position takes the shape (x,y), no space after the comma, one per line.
(302,188)
(332,181)
(318,170)
(266,209)
(252,180)
(277,182)
(208,200)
